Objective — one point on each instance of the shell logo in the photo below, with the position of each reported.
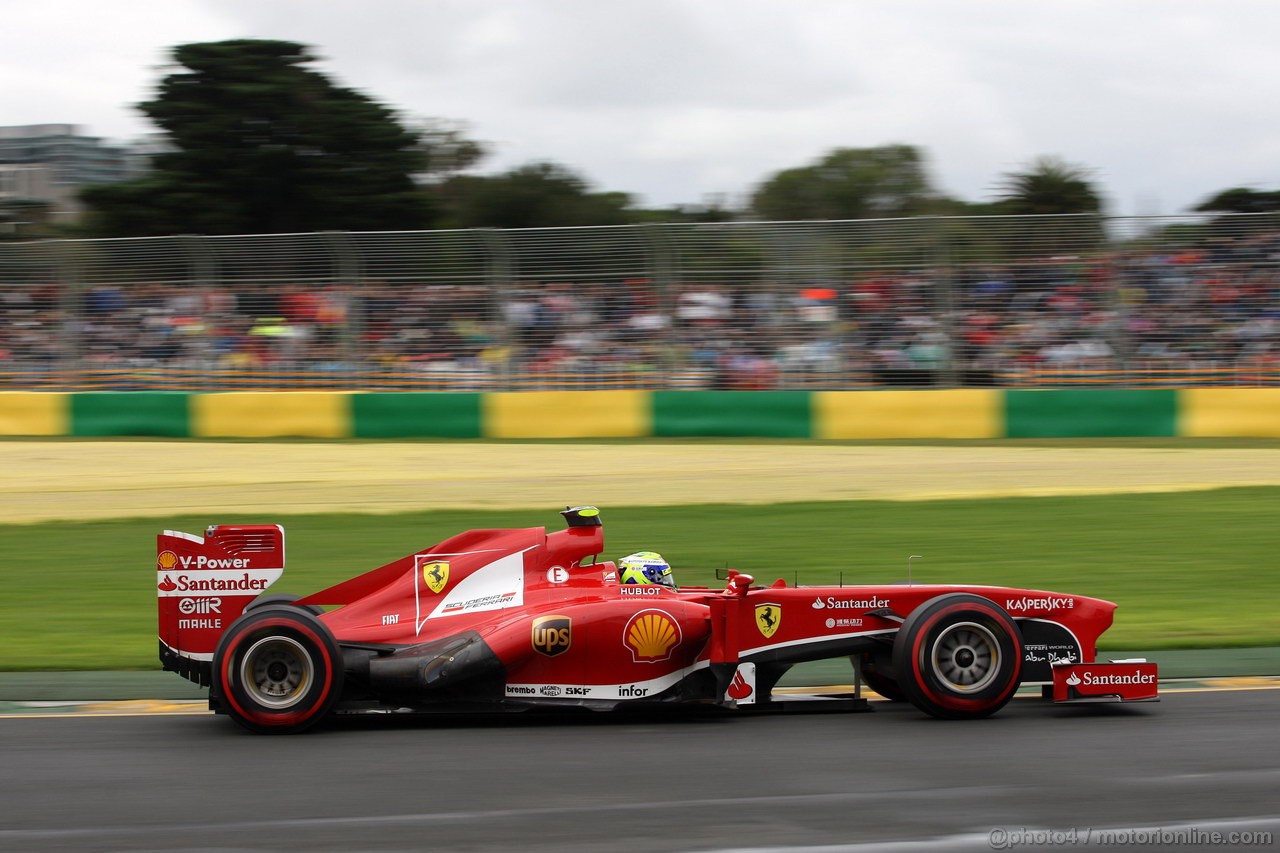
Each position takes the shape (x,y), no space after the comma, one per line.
(651,635)
(166,560)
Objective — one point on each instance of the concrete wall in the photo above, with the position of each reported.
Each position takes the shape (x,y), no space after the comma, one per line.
(954,414)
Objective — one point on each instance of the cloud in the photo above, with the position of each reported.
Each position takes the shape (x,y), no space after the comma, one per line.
(1168,101)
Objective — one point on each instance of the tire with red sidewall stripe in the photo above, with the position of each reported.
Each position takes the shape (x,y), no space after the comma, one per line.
(958,656)
(277,670)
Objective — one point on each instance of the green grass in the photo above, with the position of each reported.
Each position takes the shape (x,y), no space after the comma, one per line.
(1189,570)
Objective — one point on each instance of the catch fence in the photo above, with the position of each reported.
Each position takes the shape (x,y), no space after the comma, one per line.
(941,302)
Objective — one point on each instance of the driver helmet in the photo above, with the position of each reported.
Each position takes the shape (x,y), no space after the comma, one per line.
(646,567)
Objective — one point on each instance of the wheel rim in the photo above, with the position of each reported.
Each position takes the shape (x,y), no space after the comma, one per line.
(966,657)
(276,672)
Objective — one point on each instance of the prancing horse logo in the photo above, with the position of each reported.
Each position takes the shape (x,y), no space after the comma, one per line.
(768,618)
(436,575)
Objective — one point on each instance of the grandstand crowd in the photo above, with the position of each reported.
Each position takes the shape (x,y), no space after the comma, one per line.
(1206,310)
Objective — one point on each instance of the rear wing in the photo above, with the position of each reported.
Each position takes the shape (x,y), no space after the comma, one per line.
(204,583)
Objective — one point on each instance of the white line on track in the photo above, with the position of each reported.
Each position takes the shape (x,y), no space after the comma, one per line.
(958,842)
(424,818)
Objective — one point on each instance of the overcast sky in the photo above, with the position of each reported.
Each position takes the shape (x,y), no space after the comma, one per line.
(675,101)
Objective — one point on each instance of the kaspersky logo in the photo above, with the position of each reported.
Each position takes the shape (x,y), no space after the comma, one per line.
(1044,602)
(651,635)
(768,618)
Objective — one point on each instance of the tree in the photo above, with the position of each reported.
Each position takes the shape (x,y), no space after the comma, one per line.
(1048,185)
(444,151)
(714,208)
(262,143)
(1242,200)
(849,183)
(534,195)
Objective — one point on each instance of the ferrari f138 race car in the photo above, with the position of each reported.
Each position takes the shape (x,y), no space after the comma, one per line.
(521,619)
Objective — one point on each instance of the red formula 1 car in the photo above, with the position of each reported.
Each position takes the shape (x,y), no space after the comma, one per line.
(521,619)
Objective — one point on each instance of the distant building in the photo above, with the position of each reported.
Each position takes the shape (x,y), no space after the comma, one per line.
(49,163)
(25,182)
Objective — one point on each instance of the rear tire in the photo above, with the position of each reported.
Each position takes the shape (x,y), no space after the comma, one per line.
(277,670)
(282,598)
(958,656)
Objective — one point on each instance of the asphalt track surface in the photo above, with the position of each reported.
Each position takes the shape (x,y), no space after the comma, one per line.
(890,779)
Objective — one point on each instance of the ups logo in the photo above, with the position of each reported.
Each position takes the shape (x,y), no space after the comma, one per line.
(552,635)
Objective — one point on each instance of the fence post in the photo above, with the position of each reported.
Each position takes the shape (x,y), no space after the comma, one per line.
(500,275)
(945,303)
(204,274)
(663,263)
(71,303)
(1121,343)
(347,272)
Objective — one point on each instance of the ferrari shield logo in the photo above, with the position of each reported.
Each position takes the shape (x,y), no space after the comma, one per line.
(768,618)
(436,575)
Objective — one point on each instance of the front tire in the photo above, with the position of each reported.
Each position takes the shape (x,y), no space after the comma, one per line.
(877,673)
(277,670)
(958,656)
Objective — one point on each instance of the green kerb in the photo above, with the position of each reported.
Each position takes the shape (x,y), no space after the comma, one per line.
(149,413)
(1091,413)
(416,415)
(765,414)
